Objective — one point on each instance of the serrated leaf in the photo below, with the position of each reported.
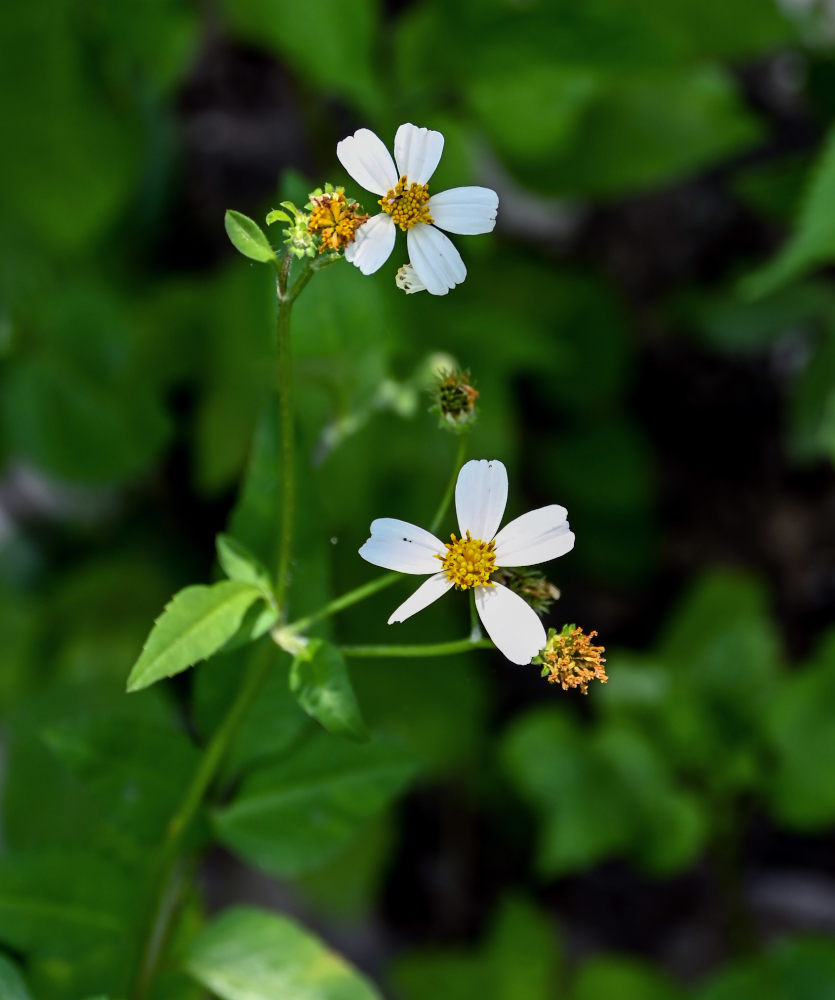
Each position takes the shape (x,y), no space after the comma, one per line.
(248,238)
(319,680)
(251,954)
(291,816)
(238,563)
(813,242)
(12,986)
(197,622)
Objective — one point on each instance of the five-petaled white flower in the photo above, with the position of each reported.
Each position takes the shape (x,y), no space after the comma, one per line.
(405,202)
(468,561)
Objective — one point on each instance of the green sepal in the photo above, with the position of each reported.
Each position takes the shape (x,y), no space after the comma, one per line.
(276,215)
(248,238)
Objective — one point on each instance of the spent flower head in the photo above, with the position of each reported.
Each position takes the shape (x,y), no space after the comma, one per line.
(333,218)
(406,203)
(529,583)
(454,397)
(570,659)
(470,559)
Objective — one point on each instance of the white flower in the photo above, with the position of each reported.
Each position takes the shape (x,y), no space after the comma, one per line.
(468,561)
(405,202)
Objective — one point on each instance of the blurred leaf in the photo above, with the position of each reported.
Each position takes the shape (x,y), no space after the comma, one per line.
(813,242)
(519,960)
(249,954)
(12,986)
(195,623)
(640,131)
(271,726)
(59,113)
(330,47)
(812,404)
(248,238)
(238,563)
(76,427)
(62,901)
(624,978)
(800,969)
(293,815)
(600,792)
(319,680)
(801,786)
(135,775)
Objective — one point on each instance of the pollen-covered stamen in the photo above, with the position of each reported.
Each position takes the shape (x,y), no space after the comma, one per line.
(335,219)
(571,660)
(407,204)
(469,562)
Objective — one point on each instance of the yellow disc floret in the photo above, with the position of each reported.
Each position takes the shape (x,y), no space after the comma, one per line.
(407,204)
(469,562)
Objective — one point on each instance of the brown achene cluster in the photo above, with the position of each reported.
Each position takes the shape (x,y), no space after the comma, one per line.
(335,219)
(571,660)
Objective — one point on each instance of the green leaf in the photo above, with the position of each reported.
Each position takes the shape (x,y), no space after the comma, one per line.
(800,969)
(271,726)
(624,978)
(319,680)
(12,986)
(813,242)
(800,786)
(519,960)
(276,215)
(248,238)
(195,623)
(238,563)
(250,954)
(293,815)
(63,901)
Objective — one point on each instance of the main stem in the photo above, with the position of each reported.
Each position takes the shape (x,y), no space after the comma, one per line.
(288,436)
(163,897)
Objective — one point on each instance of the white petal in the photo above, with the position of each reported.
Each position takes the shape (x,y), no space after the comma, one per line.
(480,498)
(535,537)
(430,590)
(401,546)
(368,161)
(511,623)
(407,280)
(465,210)
(417,151)
(373,244)
(435,260)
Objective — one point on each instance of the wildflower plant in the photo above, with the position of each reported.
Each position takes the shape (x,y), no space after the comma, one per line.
(495,567)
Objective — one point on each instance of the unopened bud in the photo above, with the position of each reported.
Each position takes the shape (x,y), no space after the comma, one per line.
(455,398)
(530,584)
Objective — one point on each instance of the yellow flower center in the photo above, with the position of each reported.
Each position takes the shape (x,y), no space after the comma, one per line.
(407,204)
(469,562)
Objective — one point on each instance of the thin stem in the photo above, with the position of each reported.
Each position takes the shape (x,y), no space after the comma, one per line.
(288,439)
(475,621)
(162,905)
(421,649)
(447,497)
(344,601)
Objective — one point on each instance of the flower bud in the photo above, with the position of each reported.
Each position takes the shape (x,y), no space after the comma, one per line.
(455,398)
(529,583)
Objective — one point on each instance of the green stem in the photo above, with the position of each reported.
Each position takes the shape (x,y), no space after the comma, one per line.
(450,490)
(162,906)
(424,649)
(344,601)
(288,437)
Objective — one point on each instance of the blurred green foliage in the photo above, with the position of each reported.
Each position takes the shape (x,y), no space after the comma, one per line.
(135,389)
